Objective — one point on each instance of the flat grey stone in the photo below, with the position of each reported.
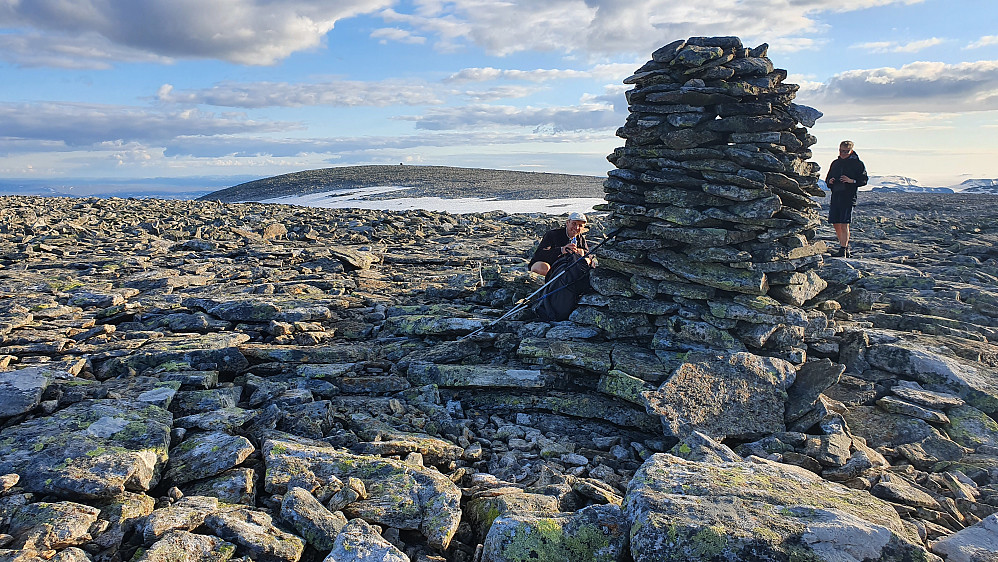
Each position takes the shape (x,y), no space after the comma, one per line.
(21,390)
(710,393)
(977,543)
(91,449)
(898,406)
(206,454)
(725,510)
(359,541)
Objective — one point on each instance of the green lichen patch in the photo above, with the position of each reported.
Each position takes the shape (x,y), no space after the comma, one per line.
(91,449)
(593,534)
(714,511)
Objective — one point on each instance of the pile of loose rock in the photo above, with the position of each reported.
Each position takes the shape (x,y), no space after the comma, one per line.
(712,198)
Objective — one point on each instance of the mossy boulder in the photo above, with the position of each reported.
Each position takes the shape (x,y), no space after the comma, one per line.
(401,495)
(971,427)
(577,404)
(186,514)
(232,486)
(624,386)
(975,382)
(482,511)
(444,376)
(206,454)
(336,353)
(680,510)
(52,525)
(593,534)
(254,532)
(21,390)
(183,545)
(178,353)
(719,276)
(313,522)
(885,429)
(360,541)
(711,393)
(427,325)
(591,356)
(91,449)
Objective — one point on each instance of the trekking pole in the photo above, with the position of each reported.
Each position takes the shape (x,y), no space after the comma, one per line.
(525,301)
(517,307)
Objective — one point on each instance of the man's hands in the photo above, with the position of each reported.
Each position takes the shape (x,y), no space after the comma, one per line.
(572,248)
(846,179)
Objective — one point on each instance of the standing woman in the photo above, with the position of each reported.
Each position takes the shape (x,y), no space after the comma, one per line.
(845,176)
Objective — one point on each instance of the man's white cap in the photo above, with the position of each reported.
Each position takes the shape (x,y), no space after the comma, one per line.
(577,217)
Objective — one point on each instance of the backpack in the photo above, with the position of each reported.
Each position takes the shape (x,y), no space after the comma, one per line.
(558,299)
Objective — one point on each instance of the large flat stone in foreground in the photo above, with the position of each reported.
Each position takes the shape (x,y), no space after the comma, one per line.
(975,543)
(739,395)
(756,510)
(91,449)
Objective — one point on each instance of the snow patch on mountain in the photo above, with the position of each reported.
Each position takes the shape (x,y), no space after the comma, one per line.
(904,184)
(979,186)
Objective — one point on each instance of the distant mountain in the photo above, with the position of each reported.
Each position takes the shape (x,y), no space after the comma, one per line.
(902,184)
(895,184)
(979,186)
(418,181)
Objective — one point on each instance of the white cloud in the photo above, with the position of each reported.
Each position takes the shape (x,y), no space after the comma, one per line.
(80,125)
(87,51)
(615,26)
(895,47)
(553,119)
(341,93)
(984,41)
(263,32)
(250,146)
(255,32)
(795,44)
(601,71)
(386,34)
(917,87)
(500,93)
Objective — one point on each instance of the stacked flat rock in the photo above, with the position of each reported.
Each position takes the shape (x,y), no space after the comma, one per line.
(712,193)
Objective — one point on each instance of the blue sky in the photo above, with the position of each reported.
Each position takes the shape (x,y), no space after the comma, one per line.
(132,89)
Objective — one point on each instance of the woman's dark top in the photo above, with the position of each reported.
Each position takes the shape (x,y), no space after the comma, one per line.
(844,194)
(550,247)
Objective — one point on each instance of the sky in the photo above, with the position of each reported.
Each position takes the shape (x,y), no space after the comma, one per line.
(133,89)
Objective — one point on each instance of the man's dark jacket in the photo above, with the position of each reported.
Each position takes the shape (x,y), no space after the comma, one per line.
(550,247)
(851,167)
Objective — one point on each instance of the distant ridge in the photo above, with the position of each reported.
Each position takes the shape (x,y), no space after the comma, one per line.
(903,184)
(441,181)
(980,186)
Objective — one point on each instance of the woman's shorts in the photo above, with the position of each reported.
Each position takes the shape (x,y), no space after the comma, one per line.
(840,208)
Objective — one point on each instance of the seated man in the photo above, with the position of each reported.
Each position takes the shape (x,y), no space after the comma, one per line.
(559,242)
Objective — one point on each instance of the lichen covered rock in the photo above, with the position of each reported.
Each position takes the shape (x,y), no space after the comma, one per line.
(595,533)
(687,511)
(712,393)
(91,449)
(399,494)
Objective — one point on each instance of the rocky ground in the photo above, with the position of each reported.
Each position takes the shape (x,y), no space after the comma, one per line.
(207,381)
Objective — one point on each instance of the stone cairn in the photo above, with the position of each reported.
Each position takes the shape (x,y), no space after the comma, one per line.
(712,196)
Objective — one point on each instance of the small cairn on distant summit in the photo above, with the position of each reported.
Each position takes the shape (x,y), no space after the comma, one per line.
(712,193)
